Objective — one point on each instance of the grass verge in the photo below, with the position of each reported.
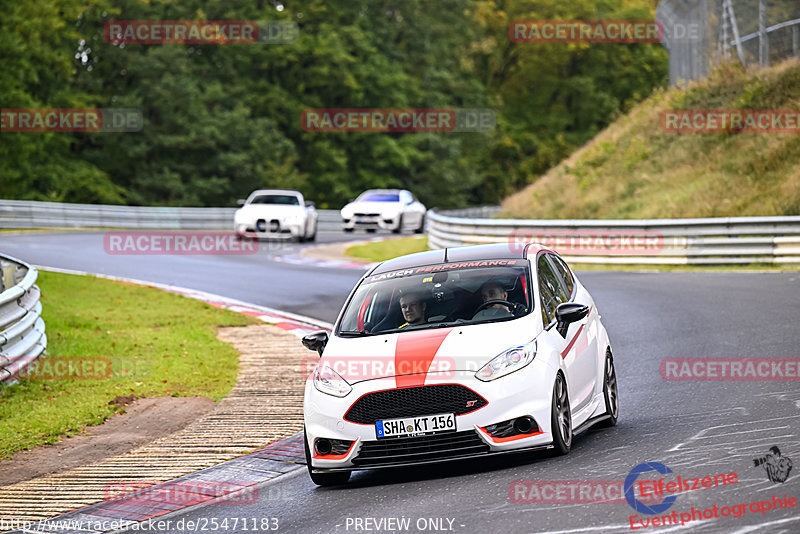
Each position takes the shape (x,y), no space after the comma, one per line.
(157,344)
(634,169)
(388,249)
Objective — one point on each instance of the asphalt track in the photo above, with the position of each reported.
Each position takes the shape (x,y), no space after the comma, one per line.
(696,428)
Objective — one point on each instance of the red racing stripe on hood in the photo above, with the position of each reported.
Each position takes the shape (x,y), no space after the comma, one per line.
(414,354)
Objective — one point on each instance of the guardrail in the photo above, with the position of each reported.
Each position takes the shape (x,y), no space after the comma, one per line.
(714,241)
(34,214)
(22,336)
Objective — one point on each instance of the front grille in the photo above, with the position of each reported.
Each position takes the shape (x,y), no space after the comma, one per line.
(414,402)
(419,448)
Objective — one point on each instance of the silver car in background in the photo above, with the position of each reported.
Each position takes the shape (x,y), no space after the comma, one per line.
(390,209)
(276,213)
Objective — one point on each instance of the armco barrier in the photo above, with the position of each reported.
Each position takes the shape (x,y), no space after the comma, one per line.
(33,214)
(22,337)
(720,241)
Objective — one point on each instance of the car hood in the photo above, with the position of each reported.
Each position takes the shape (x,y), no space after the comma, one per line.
(274,210)
(412,356)
(372,207)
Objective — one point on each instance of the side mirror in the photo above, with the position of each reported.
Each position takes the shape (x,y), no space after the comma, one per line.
(316,341)
(309,204)
(568,313)
(241,201)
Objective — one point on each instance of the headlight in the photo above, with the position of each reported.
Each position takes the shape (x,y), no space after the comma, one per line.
(507,362)
(328,381)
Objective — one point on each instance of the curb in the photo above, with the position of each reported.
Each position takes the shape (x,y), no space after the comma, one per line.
(224,483)
(211,486)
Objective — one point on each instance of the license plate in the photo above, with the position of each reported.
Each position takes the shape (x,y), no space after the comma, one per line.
(410,426)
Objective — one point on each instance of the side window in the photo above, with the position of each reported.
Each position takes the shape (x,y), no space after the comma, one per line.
(564,272)
(551,288)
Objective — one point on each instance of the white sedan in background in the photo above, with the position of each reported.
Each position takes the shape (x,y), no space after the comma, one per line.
(276,213)
(390,209)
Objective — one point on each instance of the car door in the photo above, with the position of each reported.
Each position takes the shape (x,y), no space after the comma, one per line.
(584,349)
(552,292)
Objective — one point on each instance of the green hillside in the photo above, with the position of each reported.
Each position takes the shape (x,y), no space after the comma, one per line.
(634,169)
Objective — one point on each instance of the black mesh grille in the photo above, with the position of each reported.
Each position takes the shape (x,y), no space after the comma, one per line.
(421,448)
(414,402)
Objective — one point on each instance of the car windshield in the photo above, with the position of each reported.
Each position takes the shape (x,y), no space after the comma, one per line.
(379,197)
(288,200)
(439,295)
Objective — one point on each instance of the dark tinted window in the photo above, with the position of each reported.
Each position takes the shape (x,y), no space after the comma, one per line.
(289,200)
(442,295)
(564,272)
(380,197)
(551,288)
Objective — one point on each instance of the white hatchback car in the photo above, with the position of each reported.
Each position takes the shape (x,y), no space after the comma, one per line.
(390,209)
(457,353)
(276,213)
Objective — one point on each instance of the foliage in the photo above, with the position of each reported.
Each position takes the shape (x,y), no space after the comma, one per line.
(222,120)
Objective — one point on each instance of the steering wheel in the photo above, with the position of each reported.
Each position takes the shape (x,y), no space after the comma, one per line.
(511,306)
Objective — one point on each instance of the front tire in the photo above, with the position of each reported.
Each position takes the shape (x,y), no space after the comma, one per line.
(399,229)
(421,225)
(561,417)
(324,479)
(610,392)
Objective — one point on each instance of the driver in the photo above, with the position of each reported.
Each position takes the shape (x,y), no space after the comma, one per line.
(413,308)
(493,290)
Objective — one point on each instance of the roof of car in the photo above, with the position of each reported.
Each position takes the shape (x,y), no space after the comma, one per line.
(492,251)
(276,192)
(398,191)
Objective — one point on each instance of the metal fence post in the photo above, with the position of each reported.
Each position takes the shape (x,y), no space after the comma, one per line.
(763,38)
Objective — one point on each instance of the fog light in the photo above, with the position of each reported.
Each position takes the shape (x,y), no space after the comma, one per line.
(524,425)
(322,446)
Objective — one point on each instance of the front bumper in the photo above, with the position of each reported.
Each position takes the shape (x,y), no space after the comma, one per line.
(370,221)
(508,398)
(269,228)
